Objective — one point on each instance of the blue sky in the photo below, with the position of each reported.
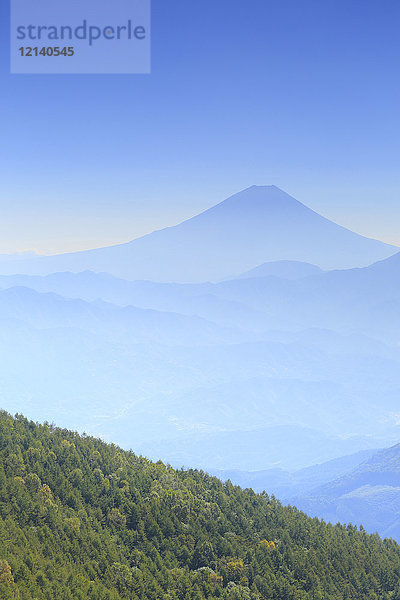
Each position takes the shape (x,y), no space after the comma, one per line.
(304,95)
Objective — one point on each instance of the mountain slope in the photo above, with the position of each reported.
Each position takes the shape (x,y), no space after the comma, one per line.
(368,494)
(363,299)
(252,227)
(287,484)
(49,310)
(82,520)
(285,269)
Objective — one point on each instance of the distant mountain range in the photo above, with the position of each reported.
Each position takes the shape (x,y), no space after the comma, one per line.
(258,225)
(362,489)
(368,495)
(362,301)
(185,371)
(283,366)
(285,269)
(286,485)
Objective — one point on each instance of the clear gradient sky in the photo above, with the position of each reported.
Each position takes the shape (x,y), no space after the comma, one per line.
(303,94)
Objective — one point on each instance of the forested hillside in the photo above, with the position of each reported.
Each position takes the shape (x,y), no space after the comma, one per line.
(80,519)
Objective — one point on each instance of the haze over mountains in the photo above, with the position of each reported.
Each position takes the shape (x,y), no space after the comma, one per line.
(286,269)
(260,224)
(369,495)
(283,366)
(362,488)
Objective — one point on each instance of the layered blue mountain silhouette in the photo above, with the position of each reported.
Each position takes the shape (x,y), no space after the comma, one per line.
(246,352)
(367,495)
(362,488)
(286,269)
(258,225)
(184,371)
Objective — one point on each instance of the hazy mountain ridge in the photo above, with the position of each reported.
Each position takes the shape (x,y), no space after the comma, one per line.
(362,489)
(46,310)
(161,391)
(365,300)
(183,369)
(252,227)
(288,484)
(368,494)
(285,269)
(240,354)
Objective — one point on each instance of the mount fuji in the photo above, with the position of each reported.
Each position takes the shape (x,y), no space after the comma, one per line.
(258,225)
